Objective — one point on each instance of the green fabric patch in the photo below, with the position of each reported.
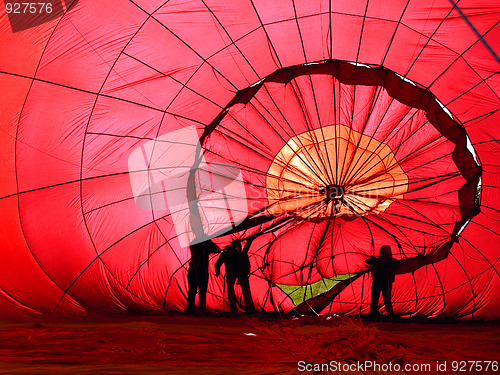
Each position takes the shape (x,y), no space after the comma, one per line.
(301,293)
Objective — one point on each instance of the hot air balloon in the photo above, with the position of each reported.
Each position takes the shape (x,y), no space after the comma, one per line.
(320,131)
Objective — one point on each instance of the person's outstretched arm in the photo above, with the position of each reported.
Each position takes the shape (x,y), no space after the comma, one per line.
(218,264)
(248,244)
(414,263)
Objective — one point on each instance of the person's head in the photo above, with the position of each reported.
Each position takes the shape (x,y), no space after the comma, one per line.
(385,252)
(236,244)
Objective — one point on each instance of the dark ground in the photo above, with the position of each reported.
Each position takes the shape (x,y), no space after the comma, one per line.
(208,344)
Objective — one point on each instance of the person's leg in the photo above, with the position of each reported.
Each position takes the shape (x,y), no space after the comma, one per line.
(203,296)
(203,286)
(247,295)
(203,280)
(386,295)
(230,292)
(192,289)
(375,297)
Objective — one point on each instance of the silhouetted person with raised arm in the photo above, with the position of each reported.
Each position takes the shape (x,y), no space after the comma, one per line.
(385,267)
(237,265)
(198,273)
(382,280)
(244,274)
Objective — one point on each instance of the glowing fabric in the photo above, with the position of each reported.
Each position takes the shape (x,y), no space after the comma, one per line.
(410,89)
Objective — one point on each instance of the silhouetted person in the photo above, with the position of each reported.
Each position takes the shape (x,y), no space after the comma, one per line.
(385,267)
(382,279)
(244,274)
(198,273)
(237,265)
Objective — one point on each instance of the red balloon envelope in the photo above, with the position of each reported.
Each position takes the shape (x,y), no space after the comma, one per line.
(326,130)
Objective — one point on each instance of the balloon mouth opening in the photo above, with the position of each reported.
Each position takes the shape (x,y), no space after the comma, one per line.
(303,182)
(333,171)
